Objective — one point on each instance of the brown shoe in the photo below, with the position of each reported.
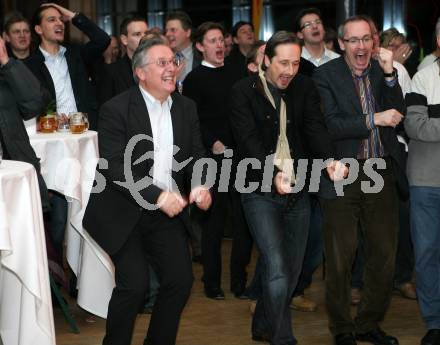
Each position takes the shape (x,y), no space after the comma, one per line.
(302,303)
(407,290)
(355,296)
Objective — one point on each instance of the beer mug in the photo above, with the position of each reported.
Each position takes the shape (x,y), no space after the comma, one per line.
(48,123)
(63,123)
(76,122)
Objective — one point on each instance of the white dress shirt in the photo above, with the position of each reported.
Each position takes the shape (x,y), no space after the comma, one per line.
(325,57)
(59,71)
(427,61)
(162,130)
(403,77)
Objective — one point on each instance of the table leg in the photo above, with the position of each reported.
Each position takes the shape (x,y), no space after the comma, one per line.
(64,307)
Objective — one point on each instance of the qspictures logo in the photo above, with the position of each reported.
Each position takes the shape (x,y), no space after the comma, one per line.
(205,172)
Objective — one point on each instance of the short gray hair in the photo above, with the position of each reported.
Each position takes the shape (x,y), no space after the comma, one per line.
(140,55)
(356,18)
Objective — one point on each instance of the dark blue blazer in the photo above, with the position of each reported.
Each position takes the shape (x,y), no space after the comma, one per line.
(346,122)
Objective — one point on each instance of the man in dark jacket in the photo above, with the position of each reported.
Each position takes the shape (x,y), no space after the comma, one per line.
(63,69)
(119,75)
(278,113)
(146,221)
(178,30)
(362,103)
(21,98)
(243,37)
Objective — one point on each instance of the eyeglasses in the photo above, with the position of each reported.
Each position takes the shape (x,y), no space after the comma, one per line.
(355,41)
(20,32)
(308,25)
(162,63)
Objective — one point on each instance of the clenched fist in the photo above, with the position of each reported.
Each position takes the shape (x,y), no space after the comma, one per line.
(385,59)
(171,203)
(388,118)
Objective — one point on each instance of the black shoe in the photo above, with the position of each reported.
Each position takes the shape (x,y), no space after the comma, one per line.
(240,294)
(263,337)
(377,337)
(214,293)
(432,337)
(239,291)
(344,339)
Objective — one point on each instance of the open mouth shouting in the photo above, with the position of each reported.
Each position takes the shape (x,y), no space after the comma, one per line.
(284,80)
(362,58)
(220,54)
(59,32)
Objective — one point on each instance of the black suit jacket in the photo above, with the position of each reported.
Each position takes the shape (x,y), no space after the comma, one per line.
(346,122)
(117,79)
(255,123)
(236,63)
(112,214)
(80,59)
(21,98)
(306,67)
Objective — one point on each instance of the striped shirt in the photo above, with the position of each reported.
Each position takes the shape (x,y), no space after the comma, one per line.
(372,146)
(59,71)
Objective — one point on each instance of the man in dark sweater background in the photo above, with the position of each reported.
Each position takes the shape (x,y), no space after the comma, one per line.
(209,86)
(243,37)
(119,75)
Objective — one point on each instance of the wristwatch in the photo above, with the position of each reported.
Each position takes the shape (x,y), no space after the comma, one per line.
(392,74)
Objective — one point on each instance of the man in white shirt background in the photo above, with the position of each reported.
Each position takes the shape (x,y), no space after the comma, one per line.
(63,70)
(310,28)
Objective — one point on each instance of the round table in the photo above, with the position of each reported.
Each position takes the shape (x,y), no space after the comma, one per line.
(25,301)
(68,163)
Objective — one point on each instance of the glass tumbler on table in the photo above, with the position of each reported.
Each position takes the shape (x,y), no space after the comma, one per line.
(76,121)
(63,123)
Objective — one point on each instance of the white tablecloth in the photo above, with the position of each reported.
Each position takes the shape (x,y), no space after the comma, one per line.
(68,164)
(26,316)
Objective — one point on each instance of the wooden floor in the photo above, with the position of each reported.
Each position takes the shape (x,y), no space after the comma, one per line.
(209,322)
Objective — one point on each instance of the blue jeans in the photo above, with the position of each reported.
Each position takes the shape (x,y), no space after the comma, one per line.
(280,233)
(425,231)
(314,249)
